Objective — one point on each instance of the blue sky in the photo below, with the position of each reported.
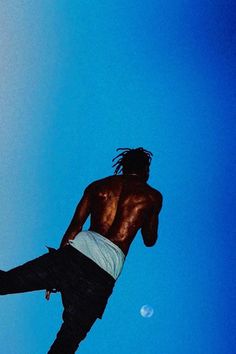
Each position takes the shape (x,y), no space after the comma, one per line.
(78,80)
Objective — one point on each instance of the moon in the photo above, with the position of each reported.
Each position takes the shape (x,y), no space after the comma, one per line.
(146,311)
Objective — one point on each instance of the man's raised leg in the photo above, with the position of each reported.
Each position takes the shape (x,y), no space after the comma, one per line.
(36,274)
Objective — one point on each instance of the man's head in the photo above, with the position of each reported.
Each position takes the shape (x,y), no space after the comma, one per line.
(133,161)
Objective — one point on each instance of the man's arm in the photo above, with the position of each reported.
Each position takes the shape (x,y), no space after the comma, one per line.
(81,213)
(149,229)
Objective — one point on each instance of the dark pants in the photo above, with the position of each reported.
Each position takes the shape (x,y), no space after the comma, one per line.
(84,286)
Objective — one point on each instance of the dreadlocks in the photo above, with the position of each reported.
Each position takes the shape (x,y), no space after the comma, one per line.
(132,160)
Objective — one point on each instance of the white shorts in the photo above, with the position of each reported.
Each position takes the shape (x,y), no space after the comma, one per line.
(101,250)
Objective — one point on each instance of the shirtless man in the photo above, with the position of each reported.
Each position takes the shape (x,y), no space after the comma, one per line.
(87,264)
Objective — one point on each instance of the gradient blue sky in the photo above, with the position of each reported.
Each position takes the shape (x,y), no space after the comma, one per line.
(78,80)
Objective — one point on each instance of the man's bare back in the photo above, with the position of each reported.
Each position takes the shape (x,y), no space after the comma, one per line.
(119,206)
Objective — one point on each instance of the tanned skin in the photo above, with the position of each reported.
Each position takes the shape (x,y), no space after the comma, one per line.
(119,206)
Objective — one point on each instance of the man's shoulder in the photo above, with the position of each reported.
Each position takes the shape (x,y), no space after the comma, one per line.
(156,194)
(99,182)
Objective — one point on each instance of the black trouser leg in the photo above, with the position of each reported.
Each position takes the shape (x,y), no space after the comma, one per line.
(84,286)
(34,275)
(76,324)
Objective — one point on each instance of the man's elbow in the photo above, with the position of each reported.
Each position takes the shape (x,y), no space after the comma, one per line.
(150,242)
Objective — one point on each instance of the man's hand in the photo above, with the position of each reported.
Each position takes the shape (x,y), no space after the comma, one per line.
(47,294)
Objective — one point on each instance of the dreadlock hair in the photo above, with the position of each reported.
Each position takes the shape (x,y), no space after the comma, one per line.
(132,160)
